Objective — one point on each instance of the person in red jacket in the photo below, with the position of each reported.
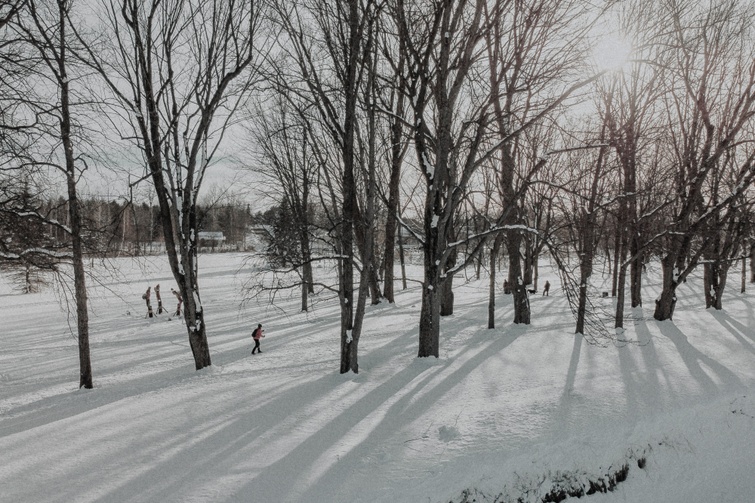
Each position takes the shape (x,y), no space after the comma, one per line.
(257,334)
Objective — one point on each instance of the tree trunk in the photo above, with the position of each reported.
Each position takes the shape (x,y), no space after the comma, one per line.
(189,285)
(620,296)
(582,306)
(429,321)
(616,258)
(723,273)
(714,281)
(528,261)
(516,281)
(491,292)
(743,287)
(402,260)
(307,275)
(79,276)
(447,295)
(432,291)
(709,284)
(346,284)
(666,302)
(303,226)
(391,221)
(622,279)
(635,272)
(362,234)
(389,258)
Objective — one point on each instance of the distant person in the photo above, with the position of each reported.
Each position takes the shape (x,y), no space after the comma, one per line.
(180,301)
(257,334)
(146,297)
(546,287)
(506,287)
(159,299)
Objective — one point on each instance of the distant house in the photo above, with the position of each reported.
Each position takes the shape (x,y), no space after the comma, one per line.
(208,239)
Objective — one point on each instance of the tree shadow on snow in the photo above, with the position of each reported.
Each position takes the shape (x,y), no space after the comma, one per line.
(694,359)
(388,407)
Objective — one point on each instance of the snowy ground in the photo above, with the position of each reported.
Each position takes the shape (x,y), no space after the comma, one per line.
(515,412)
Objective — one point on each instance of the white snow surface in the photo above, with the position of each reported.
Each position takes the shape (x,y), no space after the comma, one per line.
(503,414)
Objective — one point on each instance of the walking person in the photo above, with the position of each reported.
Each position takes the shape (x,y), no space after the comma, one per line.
(159,299)
(257,334)
(180,301)
(146,297)
(546,288)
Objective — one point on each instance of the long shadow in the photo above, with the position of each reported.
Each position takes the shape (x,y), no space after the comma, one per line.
(741,333)
(205,457)
(571,376)
(400,413)
(236,435)
(693,359)
(750,312)
(642,389)
(208,453)
(216,454)
(172,349)
(196,454)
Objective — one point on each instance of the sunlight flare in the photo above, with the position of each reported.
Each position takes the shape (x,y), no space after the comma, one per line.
(612,53)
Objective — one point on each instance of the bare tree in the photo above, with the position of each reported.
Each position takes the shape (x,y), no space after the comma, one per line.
(9,9)
(179,70)
(340,34)
(524,66)
(442,45)
(45,28)
(284,136)
(395,104)
(711,102)
(725,230)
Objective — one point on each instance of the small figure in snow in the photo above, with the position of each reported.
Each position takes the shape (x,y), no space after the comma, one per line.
(506,287)
(257,334)
(146,297)
(546,287)
(159,300)
(180,301)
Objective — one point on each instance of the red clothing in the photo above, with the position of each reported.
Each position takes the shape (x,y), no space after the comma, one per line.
(257,334)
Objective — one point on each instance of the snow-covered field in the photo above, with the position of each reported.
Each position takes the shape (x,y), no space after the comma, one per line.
(517,413)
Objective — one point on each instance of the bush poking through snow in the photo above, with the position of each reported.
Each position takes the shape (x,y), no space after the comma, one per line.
(559,487)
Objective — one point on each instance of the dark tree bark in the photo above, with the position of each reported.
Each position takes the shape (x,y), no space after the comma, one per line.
(175,118)
(706,42)
(392,209)
(50,37)
(588,239)
(494,251)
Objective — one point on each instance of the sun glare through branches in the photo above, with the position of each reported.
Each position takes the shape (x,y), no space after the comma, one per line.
(612,53)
